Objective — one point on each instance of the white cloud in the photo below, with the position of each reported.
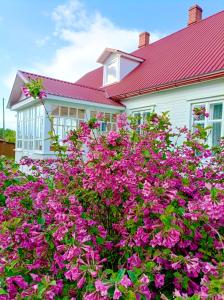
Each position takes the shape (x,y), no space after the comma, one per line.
(86,35)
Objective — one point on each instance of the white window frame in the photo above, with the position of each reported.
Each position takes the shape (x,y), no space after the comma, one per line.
(141,111)
(207,121)
(116,62)
(27,120)
(60,122)
(107,125)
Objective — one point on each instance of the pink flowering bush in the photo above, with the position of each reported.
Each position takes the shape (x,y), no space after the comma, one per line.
(142,217)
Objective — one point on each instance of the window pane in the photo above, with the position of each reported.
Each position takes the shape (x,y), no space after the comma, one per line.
(217,111)
(111,72)
(107,117)
(74,123)
(81,113)
(93,114)
(198,117)
(68,122)
(63,111)
(55,111)
(114,118)
(216,133)
(72,112)
(103,126)
(138,117)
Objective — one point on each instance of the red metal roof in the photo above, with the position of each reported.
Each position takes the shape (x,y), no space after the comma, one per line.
(193,53)
(71,90)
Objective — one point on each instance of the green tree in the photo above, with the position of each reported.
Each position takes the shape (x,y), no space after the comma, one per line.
(9,135)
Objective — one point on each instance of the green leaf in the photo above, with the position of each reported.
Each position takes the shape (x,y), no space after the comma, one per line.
(185,282)
(2,200)
(130,295)
(180,211)
(27,203)
(100,240)
(177,274)
(150,265)
(166,219)
(214,193)
(2,292)
(120,275)
(132,276)
(83,268)
(41,220)
(185,181)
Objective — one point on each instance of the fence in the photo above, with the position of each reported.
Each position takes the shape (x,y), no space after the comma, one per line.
(7,149)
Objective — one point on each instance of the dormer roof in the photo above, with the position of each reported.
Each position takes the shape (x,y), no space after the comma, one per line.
(108,51)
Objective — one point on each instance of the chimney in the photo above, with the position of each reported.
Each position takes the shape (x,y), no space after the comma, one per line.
(194,14)
(143,39)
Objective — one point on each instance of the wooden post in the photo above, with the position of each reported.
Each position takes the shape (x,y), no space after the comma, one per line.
(3,115)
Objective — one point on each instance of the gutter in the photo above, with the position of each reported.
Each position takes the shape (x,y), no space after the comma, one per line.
(170,85)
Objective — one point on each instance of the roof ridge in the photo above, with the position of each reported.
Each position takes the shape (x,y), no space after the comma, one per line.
(68,82)
(47,77)
(182,29)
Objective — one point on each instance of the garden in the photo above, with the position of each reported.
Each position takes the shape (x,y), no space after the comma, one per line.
(140,216)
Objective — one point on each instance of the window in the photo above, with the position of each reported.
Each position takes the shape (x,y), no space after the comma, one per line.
(39,130)
(30,128)
(109,121)
(66,119)
(141,115)
(111,72)
(19,137)
(215,120)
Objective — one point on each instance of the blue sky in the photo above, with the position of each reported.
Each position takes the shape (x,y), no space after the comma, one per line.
(63,39)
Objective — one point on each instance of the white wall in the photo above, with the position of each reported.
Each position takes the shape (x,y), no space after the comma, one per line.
(126,66)
(178,101)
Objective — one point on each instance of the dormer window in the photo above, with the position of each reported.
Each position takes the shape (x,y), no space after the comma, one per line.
(111,72)
(117,65)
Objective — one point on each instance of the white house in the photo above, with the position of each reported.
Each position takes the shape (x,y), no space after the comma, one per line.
(175,74)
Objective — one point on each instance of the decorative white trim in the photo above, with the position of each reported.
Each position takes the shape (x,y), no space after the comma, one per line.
(27,102)
(108,51)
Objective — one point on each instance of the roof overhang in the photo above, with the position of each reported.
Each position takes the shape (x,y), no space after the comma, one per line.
(50,97)
(16,92)
(108,51)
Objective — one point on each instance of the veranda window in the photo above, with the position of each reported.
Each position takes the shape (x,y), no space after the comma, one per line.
(66,119)
(30,128)
(215,120)
(109,120)
(19,137)
(39,132)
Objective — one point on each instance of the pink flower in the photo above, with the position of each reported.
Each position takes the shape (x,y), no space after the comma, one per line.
(141,237)
(125,281)
(26,91)
(134,261)
(117,294)
(81,282)
(101,287)
(159,280)
(100,115)
(144,279)
(42,95)
(113,137)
